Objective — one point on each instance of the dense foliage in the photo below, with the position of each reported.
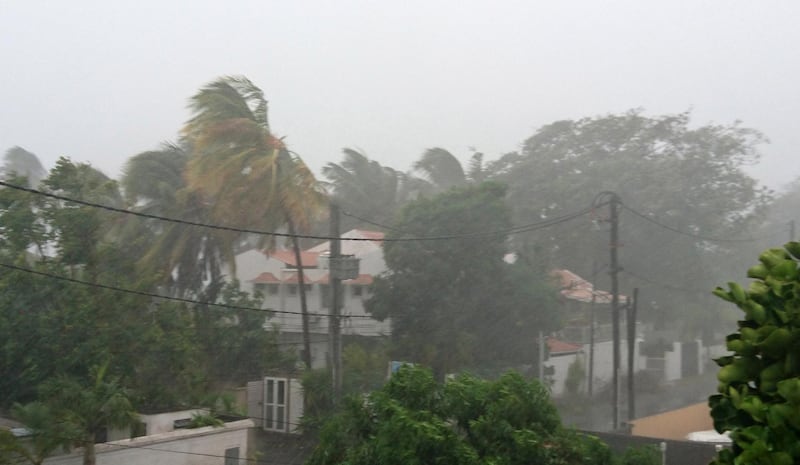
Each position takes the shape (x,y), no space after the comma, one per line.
(167,354)
(456,302)
(759,384)
(415,420)
(691,179)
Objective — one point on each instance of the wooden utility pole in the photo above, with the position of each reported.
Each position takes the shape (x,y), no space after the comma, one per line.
(334,329)
(590,387)
(631,316)
(613,245)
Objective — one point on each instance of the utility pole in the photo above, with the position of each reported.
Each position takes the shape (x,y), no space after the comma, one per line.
(590,387)
(334,279)
(613,245)
(631,316)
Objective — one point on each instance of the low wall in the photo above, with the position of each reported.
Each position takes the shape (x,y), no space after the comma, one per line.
(198,446)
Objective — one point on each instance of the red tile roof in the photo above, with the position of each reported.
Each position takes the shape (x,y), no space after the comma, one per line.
(287,256)
(295,279)
(557,347)
(265,277)
(573,287)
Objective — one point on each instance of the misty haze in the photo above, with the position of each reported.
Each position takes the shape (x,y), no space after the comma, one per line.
(357,232)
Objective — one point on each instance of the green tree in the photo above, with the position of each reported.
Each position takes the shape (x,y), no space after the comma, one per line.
(246,173)
(414,420)
(759,384)
(22,227)
(78,231)
(455,302)
(690,179)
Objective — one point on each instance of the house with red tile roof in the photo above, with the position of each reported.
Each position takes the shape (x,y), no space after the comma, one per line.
(587,323)
(276,275)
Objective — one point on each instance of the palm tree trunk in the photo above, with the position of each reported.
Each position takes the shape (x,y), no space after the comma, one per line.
(301,283)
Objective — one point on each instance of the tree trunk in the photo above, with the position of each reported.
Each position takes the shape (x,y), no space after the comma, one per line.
(302,292)
(88,453)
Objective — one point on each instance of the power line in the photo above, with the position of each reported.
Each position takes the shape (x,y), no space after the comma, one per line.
(159,296)
(684,233)
(666,286)
(511,230)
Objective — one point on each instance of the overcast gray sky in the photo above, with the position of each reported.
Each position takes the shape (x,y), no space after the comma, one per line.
(101,81)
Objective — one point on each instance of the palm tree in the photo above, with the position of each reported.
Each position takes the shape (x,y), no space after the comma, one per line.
(89,410)
(46,435)
(442,169)
(246,174)
(369,190)
(187,259)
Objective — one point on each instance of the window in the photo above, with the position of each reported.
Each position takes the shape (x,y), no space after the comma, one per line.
(358,291)
(232,456)
(292,289)
(272,289)
(275,401)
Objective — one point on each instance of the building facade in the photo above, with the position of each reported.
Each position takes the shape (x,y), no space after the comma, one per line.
(276,276)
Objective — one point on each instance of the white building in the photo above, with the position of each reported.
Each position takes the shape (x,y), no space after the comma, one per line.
(276,275)
(168,442)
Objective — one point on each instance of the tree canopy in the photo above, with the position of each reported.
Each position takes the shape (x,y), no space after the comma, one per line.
(680,185)
(456,302)
(415,420)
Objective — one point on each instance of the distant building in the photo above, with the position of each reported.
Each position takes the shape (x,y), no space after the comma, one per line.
(275,274)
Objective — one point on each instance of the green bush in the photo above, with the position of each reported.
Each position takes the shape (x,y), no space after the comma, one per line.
(758,397)
(644,455)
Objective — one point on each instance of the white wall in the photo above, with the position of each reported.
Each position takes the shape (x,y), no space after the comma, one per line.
(200,446)
(156,423)
(604,361)
(560,366)
(672,363)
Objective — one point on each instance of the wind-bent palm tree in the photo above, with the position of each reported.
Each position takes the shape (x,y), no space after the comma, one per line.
(442,169)
(187,259)
(369,190)
(245,173)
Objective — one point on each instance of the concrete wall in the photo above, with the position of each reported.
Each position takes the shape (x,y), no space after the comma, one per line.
(604,361)
(200,446)
(155,423)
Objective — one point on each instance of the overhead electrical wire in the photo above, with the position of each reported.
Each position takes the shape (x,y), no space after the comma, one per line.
(665,286)
(510,230)
(478,234)
(684,233)
(160,296)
